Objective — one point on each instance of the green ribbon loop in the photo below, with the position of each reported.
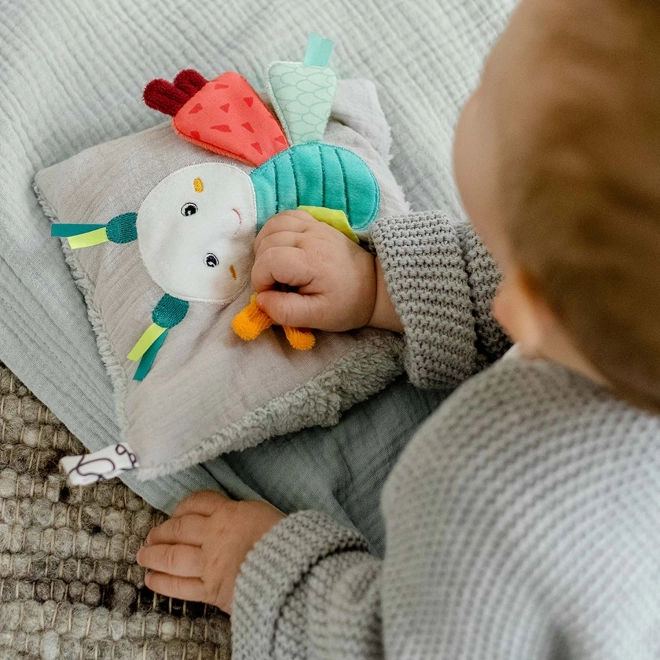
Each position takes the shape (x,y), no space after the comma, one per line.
(149,336)
(318,50)
(88,239)
(149,357)
(64,231)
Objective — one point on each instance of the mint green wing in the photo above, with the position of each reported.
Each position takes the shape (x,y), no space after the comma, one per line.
(302,92)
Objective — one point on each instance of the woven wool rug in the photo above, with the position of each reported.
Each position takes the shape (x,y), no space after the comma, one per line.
(70,588)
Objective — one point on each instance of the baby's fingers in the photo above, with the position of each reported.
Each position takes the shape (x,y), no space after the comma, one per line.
(293,309)
(289,221)
(286,265)
(292,239)
(191,589)
(191,529)
(178,559)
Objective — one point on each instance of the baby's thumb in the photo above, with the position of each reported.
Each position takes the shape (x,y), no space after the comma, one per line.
(293,309)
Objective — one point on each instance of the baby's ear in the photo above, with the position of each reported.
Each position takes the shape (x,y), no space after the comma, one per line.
(521,310)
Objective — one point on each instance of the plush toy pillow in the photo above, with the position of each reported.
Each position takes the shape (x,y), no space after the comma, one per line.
(158,230)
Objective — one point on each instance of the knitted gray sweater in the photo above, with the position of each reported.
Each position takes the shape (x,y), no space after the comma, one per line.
(523,520)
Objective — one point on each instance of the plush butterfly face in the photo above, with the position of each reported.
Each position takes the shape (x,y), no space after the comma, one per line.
(196,232)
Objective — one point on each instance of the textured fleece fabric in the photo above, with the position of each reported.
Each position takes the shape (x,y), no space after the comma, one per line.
(522,521)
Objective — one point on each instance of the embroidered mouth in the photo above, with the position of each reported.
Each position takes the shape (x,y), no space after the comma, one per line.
(240,220)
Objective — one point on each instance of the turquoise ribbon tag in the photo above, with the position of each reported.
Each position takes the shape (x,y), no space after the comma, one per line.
(318,51)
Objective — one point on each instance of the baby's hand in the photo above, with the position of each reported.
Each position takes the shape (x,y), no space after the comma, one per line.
(339,284)
(197,554)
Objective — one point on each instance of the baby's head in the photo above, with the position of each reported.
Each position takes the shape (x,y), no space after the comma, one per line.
(557,158)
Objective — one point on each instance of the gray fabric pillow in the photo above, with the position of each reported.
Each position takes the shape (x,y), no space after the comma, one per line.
(209,392)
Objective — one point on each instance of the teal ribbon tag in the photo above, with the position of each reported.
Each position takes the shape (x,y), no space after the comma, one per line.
(318,51)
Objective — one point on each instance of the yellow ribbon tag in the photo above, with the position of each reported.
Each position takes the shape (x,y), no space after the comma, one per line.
(332,217)
(88,239)
(148,337)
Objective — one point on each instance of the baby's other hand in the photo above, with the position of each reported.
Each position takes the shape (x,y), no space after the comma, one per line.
(197,554)
(335,278)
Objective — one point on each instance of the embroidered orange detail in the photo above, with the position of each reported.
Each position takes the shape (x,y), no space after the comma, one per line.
(301,339)
(250,322)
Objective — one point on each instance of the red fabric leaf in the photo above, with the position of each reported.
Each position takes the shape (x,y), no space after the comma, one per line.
(229,101)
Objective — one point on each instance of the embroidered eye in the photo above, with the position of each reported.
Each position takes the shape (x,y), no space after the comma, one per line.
(211,260)
(189,209)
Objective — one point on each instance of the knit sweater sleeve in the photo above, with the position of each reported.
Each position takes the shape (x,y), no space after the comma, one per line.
(448,586)
(309,589)
(522,524)
(442,281)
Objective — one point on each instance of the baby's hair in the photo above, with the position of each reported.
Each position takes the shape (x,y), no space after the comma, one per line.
(582,201)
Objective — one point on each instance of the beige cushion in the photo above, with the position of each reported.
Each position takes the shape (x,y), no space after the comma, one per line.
(209,392)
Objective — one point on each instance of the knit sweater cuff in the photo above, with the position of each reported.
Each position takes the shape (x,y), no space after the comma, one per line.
(426,276)
(484,278)
(273,569)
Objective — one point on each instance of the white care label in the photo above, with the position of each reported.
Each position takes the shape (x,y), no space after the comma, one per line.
(100,465)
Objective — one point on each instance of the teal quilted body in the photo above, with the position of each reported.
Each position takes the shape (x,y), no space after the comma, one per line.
(317,174)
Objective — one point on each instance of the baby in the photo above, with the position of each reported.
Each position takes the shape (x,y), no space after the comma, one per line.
(523,520)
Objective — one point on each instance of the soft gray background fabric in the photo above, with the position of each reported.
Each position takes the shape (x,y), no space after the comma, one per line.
(210,392)
(71,76)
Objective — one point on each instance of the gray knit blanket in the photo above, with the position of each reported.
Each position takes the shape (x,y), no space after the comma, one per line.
(70,588)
